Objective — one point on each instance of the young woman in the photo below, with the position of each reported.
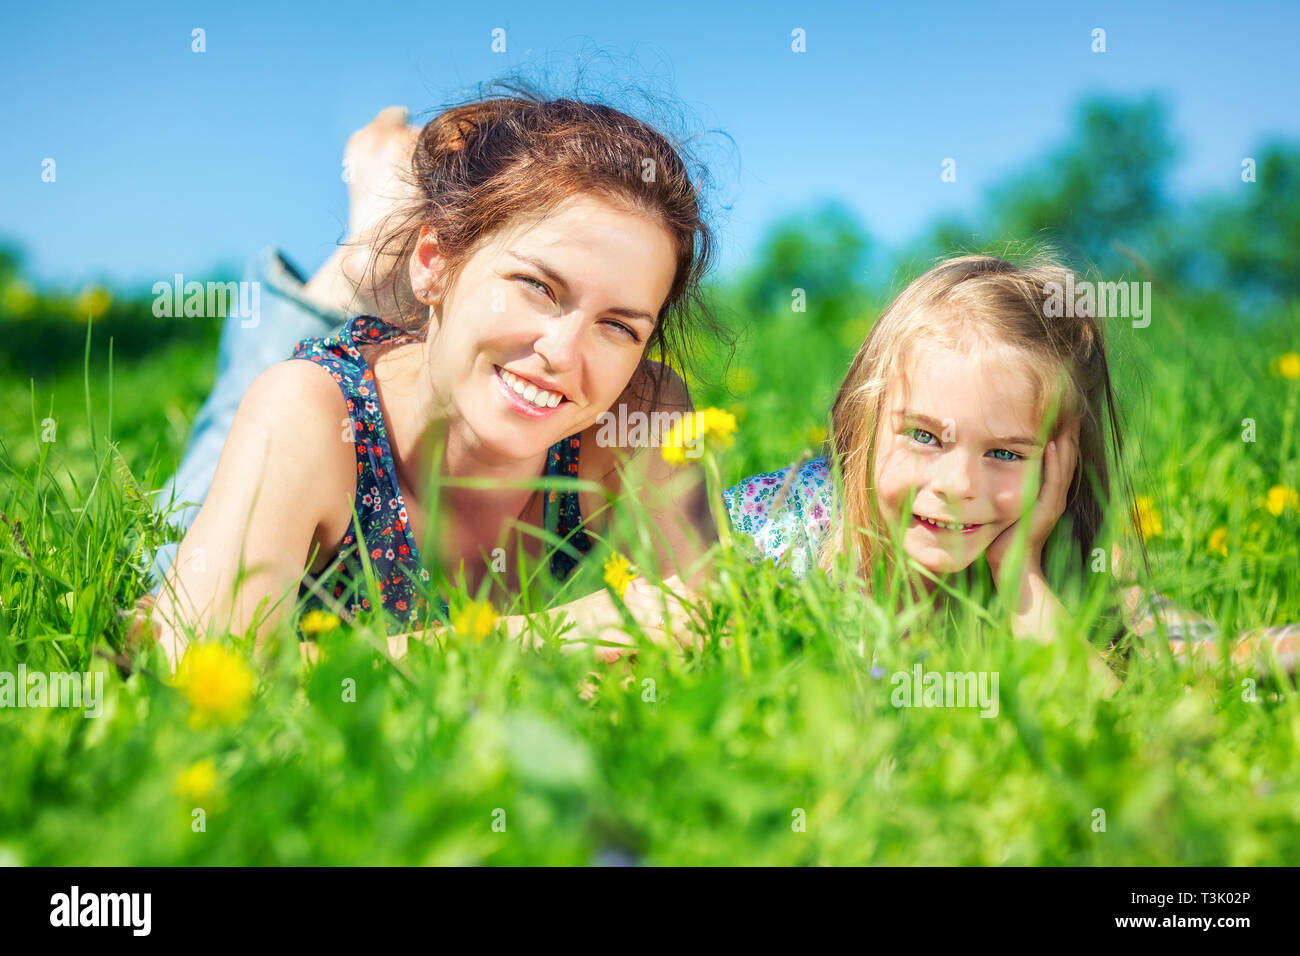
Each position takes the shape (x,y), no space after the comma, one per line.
(963,384)
(520,278)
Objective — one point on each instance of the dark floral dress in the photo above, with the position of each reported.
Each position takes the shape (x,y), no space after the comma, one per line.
(380,534)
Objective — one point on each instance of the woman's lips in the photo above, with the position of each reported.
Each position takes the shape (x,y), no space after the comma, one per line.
(521,404)
(931,525)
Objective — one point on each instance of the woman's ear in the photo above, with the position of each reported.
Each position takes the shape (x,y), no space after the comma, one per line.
(426,266)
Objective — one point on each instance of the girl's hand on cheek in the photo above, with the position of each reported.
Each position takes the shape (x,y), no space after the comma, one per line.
(1059,460)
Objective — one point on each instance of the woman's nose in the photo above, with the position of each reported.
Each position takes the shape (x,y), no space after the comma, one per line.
(561,341)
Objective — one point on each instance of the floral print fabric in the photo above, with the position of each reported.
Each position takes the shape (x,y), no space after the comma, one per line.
(789,529)
(381,525)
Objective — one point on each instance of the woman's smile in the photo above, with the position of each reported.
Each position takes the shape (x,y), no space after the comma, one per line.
(525,397)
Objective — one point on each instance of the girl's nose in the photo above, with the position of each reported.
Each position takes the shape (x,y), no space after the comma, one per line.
(560,344)
(952,476)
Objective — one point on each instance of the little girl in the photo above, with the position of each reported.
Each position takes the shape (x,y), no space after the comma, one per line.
(941,414)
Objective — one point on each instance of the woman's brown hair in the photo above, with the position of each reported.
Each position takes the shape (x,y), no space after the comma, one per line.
(489,162)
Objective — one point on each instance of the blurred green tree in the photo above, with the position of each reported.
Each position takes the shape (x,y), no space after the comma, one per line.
(824,253)
(1104,185)
(1254,231)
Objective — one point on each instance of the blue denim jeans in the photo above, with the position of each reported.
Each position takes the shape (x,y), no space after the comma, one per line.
(250,344)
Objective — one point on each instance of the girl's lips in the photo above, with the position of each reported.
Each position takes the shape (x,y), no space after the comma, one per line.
(930,525)
(519,403)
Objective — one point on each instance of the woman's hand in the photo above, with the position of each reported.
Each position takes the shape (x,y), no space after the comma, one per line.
(659,612)
(1059,459)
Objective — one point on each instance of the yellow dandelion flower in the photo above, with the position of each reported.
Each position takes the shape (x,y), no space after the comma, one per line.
(1279,498)
(687,439)
(475,619)
(816,435)
(18,298)
(318,622)
(1218,542)
(1288,365)
(619,573)
(217,683)
(1147,518)
(718,423)
(196,781)
(93,302)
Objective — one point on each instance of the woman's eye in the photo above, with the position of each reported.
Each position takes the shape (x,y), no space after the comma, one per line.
(536,284)
(619,325)
(1012,456)
(916,435)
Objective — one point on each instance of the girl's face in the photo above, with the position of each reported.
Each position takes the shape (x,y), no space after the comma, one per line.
(961,438)
(546,323)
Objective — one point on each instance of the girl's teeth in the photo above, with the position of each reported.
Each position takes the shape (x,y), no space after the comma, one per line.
(947,525)
(530,392)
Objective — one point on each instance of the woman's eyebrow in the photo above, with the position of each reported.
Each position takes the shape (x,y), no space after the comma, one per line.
(559,280)
(543,268)
(937,427)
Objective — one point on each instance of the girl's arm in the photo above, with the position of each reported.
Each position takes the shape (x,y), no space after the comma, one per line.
(1037,613)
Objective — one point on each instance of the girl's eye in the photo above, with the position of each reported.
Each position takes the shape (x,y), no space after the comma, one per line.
(631,332)
(913,433)
(1002,451)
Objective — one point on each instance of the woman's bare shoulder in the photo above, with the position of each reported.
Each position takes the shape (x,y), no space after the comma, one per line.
(299,409)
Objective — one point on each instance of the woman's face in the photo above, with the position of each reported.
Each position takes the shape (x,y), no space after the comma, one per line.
(546,323)
(960,438)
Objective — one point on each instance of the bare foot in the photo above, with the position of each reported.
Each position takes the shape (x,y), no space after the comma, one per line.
(376,167)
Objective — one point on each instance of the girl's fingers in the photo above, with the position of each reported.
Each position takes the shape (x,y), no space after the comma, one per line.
(1051,497)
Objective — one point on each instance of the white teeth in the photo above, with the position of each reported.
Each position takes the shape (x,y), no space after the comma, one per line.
(946,525)
(530,392)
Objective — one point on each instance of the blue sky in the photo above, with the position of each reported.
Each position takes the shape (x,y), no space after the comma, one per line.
(173,161)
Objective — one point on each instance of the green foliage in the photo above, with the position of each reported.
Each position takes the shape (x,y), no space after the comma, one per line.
(804,759)
(824,253)
(45,330)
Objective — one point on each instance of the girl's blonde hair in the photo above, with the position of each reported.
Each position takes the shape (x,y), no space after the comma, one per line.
(966,303)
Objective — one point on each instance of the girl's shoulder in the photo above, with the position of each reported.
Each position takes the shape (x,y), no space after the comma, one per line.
(785,510)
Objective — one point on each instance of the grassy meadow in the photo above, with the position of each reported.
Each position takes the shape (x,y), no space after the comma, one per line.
(776,743)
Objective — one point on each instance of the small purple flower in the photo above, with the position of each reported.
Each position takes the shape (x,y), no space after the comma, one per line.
(877,672)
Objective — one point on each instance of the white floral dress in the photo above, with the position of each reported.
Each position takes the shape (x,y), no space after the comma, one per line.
(790,529)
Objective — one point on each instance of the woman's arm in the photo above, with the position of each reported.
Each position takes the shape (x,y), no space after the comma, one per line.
(676,506)
(247,548)
(673,502)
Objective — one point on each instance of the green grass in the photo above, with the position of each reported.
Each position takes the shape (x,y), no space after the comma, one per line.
(699,759)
